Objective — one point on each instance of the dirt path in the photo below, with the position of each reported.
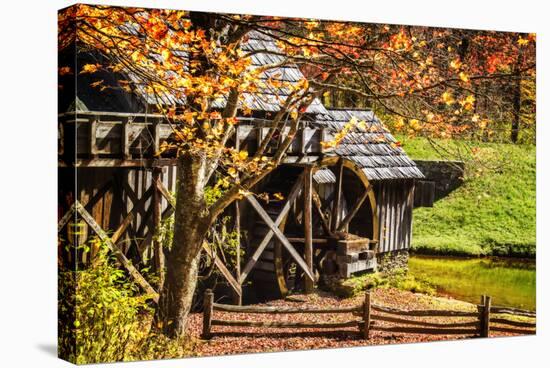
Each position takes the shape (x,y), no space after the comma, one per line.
(236,340)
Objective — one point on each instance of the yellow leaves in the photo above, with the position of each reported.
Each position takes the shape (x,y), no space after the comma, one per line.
(338,137)
(455,64)
(523,41)
(475,118)
(414,124)
(302,84)
(96,84)
(136,56)
(184,83)
(463,77)
(90,68)
(399,123)
(311,24)
(468,102)
(294,114)
(232,172)
(189,117)
(243,155)
(278,196)
(447,97)
(243,192)
(166,54)
(362,125)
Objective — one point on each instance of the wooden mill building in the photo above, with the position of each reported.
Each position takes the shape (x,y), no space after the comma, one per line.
(343,210)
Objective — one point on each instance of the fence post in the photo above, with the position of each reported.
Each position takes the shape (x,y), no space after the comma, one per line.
(366,315)
(208,304)
(480,316)
(486,316)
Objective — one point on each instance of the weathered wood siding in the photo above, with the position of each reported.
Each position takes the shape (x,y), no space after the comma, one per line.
(395,203)
(125,186)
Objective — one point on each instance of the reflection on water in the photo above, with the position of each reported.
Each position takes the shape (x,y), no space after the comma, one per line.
(510,282)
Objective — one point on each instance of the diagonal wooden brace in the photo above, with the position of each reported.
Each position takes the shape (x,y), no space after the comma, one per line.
(282,238)
(294,192)
(356,207)
(125,262)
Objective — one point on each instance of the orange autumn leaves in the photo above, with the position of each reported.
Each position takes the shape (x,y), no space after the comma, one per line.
(187,73)
(426,78)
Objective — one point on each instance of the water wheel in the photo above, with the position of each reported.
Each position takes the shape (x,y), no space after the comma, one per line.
(344,227)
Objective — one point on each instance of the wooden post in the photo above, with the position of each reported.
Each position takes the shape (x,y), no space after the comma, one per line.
(237,298)
(208,305)
(308,232)
(486,316)
(156,137)
(93,137)
(336,205)
(157,213)
(124,143)
(366,315)
(481,315)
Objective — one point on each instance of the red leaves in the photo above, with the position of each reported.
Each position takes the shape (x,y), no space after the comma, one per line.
(65,70)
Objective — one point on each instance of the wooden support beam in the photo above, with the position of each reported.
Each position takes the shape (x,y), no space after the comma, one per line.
(165,193)
(125,262)
(319,208)
(356,207)
(100,193)
(158,254)
(93,137)
(124,139)
(308,232)
(149,237)
(294,192)
(278,233)
(225,272)
(238,296)
(336,206)
(156,138)
(65,219)
(236,285)
(130,193)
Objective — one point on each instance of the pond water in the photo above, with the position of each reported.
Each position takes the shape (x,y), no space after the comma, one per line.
(510,282)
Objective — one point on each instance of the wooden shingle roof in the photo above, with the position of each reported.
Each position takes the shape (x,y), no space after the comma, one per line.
(371,147)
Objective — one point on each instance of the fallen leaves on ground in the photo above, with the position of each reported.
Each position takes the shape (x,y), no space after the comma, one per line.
(237,340)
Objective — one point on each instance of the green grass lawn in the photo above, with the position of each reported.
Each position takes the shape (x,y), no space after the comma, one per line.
(493,213)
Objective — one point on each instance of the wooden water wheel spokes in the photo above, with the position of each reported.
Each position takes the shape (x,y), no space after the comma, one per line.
(316,230)
(334,249)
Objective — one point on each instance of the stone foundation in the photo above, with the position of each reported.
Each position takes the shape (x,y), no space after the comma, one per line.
(391,261)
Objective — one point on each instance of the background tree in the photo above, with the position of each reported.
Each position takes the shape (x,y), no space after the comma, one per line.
(196,70)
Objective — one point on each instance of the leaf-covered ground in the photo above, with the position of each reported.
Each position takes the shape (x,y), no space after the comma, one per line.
(237,340)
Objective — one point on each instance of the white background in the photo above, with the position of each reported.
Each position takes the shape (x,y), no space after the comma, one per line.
(28,88)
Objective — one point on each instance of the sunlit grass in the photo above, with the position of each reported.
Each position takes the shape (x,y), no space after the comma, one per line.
(508,282)
(493,213)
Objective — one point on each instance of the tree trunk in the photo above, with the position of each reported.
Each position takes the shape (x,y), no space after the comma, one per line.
(190,229)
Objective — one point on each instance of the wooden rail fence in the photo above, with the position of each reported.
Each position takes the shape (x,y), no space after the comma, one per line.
(374,317)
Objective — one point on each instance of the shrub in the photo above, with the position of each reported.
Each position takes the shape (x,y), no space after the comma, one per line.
(104,319)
